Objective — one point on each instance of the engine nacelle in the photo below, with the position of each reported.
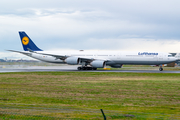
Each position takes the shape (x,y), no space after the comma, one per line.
(72,60)
(98,64)
(117,66)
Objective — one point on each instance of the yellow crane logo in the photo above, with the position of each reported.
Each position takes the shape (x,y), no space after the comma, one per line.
(25,40)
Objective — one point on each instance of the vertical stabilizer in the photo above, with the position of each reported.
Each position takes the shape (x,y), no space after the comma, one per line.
(27,43)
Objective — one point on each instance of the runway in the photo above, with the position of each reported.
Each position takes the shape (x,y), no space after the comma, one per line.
(62,70)
(74,69)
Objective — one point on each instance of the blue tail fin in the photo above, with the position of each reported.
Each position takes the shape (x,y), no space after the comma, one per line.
(27,43)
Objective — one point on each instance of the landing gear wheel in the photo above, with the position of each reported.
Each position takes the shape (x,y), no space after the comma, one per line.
(90,68)
(79,68)
(84,68)
(94,68)
(160,69)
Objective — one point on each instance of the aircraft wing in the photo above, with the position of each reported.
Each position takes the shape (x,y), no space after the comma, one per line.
(63,57)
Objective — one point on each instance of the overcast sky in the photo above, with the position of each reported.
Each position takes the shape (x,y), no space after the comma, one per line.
(125,25)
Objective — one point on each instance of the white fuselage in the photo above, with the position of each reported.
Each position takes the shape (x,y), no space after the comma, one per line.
(110,57)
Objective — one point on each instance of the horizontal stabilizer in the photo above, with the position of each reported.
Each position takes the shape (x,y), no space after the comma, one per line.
(25,53)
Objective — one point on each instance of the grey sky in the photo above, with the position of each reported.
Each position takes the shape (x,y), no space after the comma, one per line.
(90,24)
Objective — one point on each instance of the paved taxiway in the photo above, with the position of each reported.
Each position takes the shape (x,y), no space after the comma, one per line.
(73,69)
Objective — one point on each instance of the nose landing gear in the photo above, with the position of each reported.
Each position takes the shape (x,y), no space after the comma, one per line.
(160,68)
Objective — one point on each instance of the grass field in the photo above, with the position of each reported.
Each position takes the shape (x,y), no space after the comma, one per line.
(52,95)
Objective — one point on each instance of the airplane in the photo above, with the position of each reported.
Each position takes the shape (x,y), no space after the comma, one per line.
(90,60)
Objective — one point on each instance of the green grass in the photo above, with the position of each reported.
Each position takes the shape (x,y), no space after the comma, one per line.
(83,94)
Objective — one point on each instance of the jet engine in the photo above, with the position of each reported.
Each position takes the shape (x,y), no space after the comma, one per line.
(72,60)
(98,64)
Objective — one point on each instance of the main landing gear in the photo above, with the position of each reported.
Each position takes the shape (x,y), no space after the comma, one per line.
(86,68)
(160,68)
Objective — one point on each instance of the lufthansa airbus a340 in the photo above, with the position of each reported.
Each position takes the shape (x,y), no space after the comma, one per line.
(91,60)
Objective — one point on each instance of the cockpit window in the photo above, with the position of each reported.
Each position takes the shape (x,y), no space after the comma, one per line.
(170,56)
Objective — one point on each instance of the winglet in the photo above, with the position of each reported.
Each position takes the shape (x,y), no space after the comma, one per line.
(27,43)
